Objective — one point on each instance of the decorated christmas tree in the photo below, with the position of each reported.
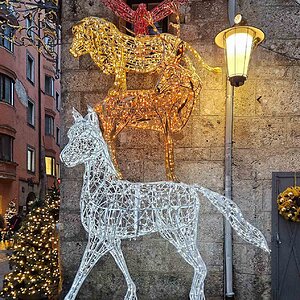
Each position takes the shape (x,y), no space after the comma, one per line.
(11,211)
(34,260)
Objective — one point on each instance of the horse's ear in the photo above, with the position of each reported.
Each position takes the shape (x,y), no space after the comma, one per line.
(76,115)
(92,117)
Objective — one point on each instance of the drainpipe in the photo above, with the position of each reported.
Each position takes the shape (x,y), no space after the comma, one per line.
(229,294)
(228,190)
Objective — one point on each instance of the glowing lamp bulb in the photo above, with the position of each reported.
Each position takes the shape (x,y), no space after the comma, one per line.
(238,42)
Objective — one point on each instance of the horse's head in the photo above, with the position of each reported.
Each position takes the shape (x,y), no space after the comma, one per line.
(85,139)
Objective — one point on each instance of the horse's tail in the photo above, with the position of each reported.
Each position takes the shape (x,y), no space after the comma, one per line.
(234,215)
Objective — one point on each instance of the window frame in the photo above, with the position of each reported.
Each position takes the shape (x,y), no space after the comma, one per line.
(30,77)
(58,136)
(3,78)
(52,165)
(32,167)
(57,101)
(5,43)
(51,132)
(11,150)
(51,91)
(30,32)
(32,117)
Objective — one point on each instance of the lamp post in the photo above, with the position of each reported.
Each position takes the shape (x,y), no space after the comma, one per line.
(238,42)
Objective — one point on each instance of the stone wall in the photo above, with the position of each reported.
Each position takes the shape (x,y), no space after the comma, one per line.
(265,140)
(266,132)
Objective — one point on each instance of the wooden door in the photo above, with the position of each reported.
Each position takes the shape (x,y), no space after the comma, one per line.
(285,245)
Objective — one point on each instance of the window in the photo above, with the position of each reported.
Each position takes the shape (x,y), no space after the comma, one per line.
(6,147)
(57,100)
(31,113)
(30,27)
(49,125)
(49,85)
(162,25)
(5,40)
(58,170)
(30,68)
(50,165)
(57,136)
(30,159)
(49,42)
(6,89)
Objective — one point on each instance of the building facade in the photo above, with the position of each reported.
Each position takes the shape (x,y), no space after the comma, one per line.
(266,140)
(29,122)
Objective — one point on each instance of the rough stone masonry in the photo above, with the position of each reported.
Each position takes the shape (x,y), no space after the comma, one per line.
(266,139)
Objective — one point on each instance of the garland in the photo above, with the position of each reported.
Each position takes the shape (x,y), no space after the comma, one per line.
(289,203)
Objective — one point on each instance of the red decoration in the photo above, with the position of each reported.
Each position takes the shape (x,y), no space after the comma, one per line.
(141,18)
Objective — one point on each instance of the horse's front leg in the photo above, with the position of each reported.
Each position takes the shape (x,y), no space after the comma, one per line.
(94,250)
(117,254)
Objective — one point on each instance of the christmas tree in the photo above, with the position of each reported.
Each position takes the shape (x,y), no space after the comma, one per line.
(34,260)
(11,211)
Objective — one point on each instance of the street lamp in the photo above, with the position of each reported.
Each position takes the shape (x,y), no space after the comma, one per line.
(238,42)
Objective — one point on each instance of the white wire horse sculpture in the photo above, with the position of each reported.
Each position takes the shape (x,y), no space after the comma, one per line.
(113,209)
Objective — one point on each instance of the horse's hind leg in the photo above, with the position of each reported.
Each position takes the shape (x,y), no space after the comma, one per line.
(191,254)
(186,247)
(94,250)
(117,254)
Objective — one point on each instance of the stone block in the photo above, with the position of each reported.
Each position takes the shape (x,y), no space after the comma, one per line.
(70,194)
(293,131)
(138,138)
(256,133)
(244,99)
(276,161)
(217,153)
(192,154)
(212,102)
(155,171)
(247,194)
(249,286)
(208,131)
(182,138)
(131,164)
(86,81)
(279,99)
(68,61)
(71,227)
(244,163)
(205,10)
(211,228)
(206,173)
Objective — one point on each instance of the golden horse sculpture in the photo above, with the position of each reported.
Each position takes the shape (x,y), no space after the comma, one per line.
(165,108)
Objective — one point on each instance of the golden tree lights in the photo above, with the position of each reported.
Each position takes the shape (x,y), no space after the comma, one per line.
(166,107)
(35,256)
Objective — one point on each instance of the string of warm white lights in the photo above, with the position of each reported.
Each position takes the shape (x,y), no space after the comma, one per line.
(166,107)
(113,209)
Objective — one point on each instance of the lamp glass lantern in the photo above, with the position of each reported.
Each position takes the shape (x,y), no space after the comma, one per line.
(238,42)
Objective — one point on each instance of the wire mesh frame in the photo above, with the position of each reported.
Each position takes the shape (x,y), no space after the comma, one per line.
(113,209)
